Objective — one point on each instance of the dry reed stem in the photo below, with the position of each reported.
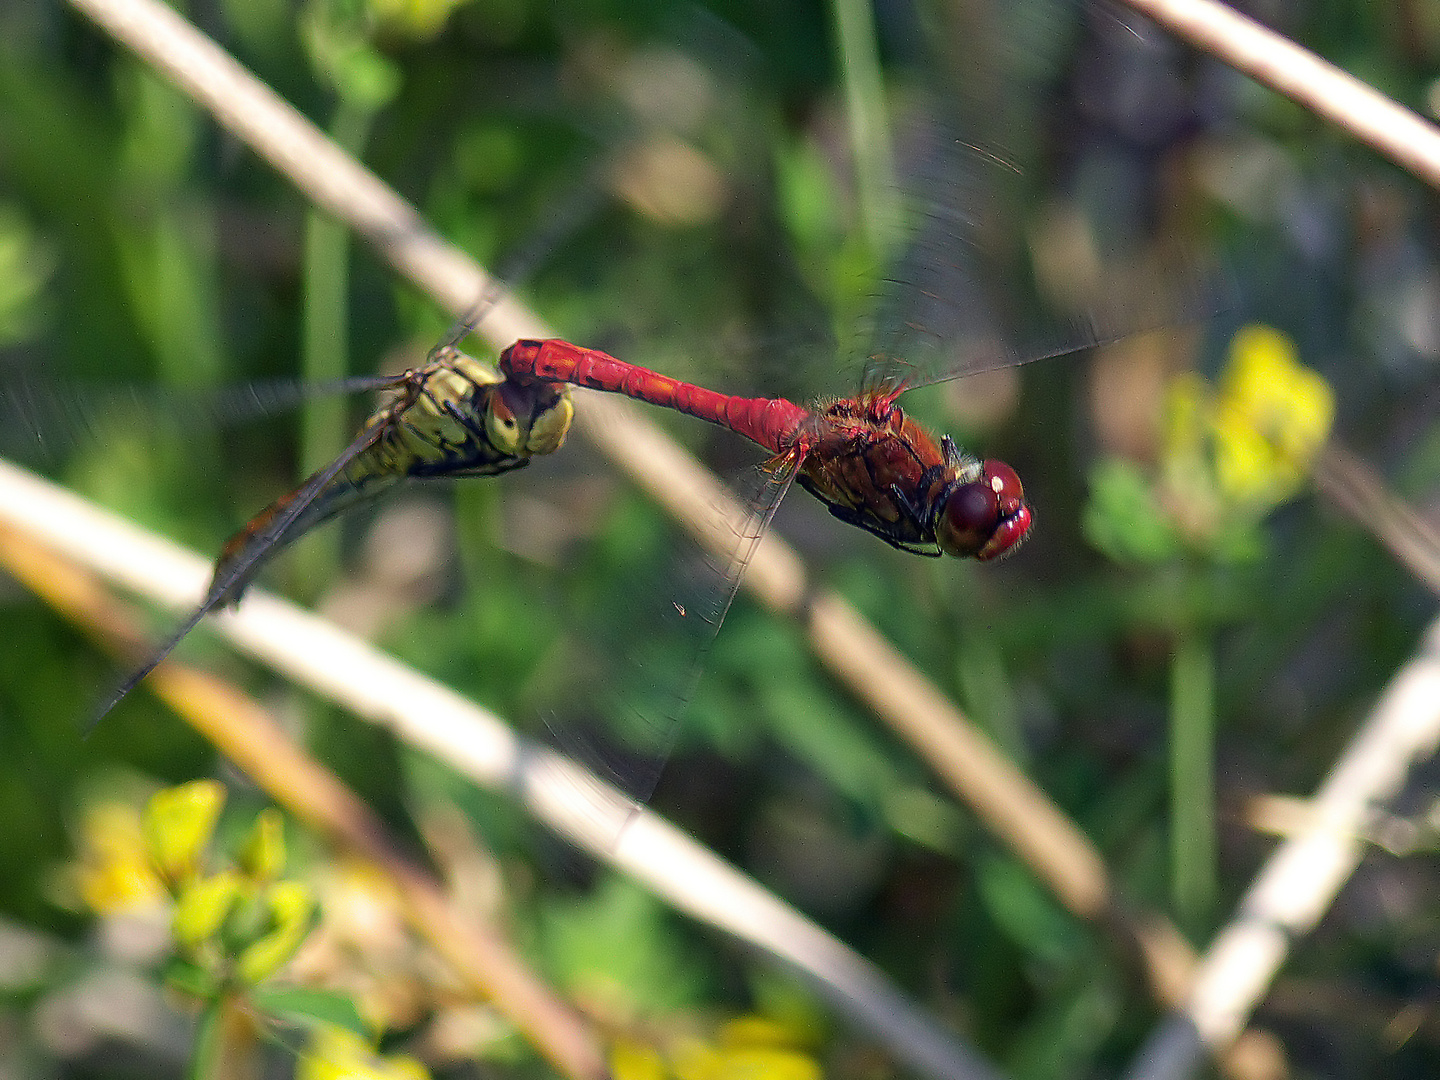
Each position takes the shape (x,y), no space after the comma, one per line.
(246,734)
(1356,488)
(1273,60)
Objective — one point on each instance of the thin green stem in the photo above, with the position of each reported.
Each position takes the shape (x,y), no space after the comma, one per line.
(325,351)
(208,1058)
(1192,779)
(859,58)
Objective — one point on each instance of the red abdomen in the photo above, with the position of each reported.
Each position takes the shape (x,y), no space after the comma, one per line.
(771,422)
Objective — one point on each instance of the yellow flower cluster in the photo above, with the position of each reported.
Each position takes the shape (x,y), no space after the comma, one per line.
(114,872)
(238,923)
(1230,454)
(336,1053)
(1254,440)
(234,925)
(241,922)
(748,1048)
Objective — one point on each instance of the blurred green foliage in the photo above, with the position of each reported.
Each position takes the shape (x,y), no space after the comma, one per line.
(141,244)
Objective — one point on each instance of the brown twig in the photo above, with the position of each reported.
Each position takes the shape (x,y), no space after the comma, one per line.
(245,733)
(1359,491)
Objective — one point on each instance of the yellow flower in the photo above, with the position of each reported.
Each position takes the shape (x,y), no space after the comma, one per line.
(1249,445)
(695,1060)
(202,906)
(291,906)
(115,872)
(761,1048)
(1247,467)
(766,1063)
(178,824)
(1272,417)
(633,1060)
(749,1048)
(339,1054)
(262,855)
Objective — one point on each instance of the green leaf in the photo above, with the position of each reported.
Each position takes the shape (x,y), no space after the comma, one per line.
(26,266)
(1025,912)
(820,730)
(1069,1032)
(1123,518)
(618,942)
(307,1007)
(209,1043)
(190,979)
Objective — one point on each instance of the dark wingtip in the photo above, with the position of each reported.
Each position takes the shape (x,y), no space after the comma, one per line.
(156,659)
(115,697)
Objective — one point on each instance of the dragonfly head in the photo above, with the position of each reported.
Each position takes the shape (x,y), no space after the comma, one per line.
(985,518)
(523,420)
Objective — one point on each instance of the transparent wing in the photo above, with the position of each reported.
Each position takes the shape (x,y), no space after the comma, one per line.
(653,677)
(935,317)
(929,298)
(43,418)
(243,565)
(567,214)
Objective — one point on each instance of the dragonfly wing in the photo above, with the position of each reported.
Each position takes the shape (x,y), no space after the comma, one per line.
(256,543)
(660,667)
(935,318)
(932,313)
(243,563)
(41,417)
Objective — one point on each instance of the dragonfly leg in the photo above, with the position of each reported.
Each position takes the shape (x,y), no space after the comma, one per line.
(850,516)
(909,511)
(951,451)
(466,418)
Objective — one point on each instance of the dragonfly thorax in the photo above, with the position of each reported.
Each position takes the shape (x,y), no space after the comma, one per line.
(877,468)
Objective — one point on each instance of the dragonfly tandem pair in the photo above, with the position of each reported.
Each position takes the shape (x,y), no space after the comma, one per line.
(454,416)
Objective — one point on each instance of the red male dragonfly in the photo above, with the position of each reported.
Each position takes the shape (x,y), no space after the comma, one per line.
(869,463)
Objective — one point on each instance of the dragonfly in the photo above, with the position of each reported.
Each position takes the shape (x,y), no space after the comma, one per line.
(453,416)
(871,465)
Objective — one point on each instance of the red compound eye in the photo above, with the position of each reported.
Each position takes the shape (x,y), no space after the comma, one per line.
(986,518)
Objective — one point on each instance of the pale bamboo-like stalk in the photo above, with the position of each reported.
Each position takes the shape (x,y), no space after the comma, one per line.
(1273,60)
(480,955)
